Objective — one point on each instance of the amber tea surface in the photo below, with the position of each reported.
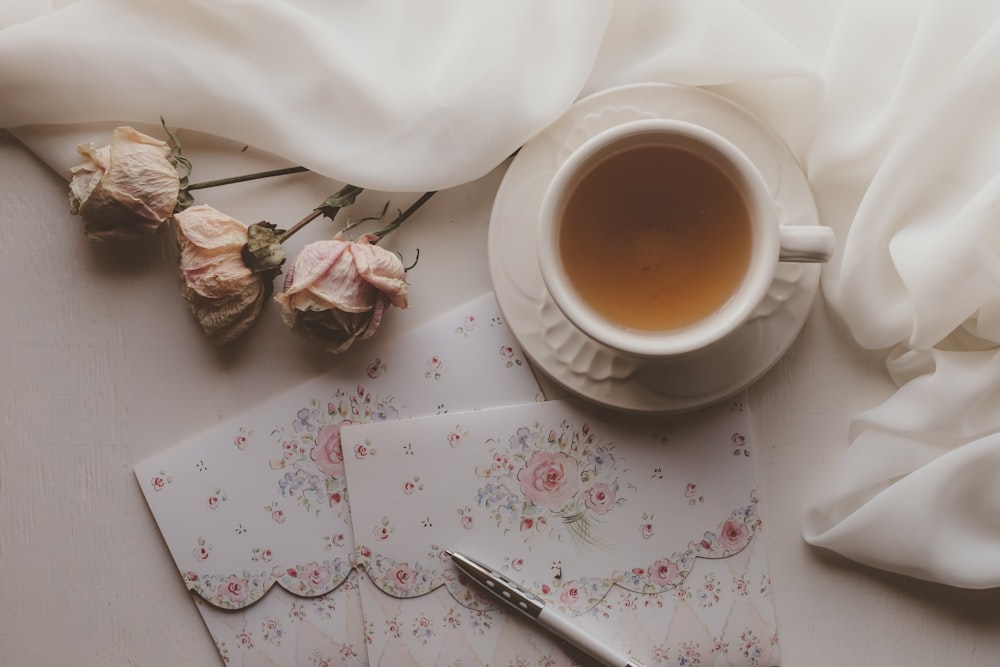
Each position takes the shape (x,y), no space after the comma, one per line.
(655,238)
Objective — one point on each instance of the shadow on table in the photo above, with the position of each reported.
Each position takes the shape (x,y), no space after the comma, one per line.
(979,607)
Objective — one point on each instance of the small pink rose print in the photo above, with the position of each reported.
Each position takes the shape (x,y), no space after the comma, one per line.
(360,452)
(549,479)
(527,524)
(327,453)
(509,356)
(433,371)
(599,498)
(192,576)
(734,535)
(664,572)
(317,575)
(158,483)
(517,564)
(244,640)
(234,589)
(338,540)
(200,554)
(691,493)
(381,532)
(454,439)
(375,368)
(571,596)
(241,441)
(213,502)
(637,571)
(402,577)
(335,498)
(501,464)
(409,487)
(646,530)
(266,555)
(738,439)
(467,522)
(278,516)
(546,589)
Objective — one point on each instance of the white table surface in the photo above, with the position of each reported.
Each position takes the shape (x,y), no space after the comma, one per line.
(102,366)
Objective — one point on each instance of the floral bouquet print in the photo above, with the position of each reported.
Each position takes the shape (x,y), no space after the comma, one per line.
(543,482)
(629,524)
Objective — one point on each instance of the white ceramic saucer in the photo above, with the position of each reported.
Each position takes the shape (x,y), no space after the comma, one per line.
(591,370)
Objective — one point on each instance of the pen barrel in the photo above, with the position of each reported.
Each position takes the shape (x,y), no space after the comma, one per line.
(574,635)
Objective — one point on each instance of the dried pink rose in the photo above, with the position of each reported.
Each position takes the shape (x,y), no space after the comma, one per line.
(224,294)
(126,190)
(336,291)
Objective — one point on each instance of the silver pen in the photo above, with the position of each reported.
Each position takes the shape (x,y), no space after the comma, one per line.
(507,591)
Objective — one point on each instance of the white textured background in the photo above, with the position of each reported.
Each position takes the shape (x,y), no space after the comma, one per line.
(103,366)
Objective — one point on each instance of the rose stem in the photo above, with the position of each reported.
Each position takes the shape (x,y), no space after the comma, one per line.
(331,213)
(330,206)
(403,216)
(245,177)
(315,213)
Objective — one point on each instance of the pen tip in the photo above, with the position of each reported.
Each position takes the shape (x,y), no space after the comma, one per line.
(449,553)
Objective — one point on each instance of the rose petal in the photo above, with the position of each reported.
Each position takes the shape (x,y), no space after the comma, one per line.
(224,295)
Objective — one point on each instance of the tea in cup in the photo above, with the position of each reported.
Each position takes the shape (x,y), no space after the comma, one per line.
(659,237)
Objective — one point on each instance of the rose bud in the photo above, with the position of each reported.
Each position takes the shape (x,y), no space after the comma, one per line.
(126,190)
(224,294)
(336,291)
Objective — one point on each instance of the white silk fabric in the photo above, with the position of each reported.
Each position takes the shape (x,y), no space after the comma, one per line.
(387,95)
(891,106)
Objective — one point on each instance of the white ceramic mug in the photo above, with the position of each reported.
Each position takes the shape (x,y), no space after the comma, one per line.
(770,241)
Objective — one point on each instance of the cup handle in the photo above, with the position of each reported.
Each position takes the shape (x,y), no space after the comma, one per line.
(806,243)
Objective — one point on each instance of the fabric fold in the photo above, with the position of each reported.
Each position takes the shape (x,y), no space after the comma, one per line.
(392,96)
(917,492)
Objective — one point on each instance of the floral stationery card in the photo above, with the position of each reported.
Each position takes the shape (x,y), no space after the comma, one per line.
(255,511)
(645,530)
